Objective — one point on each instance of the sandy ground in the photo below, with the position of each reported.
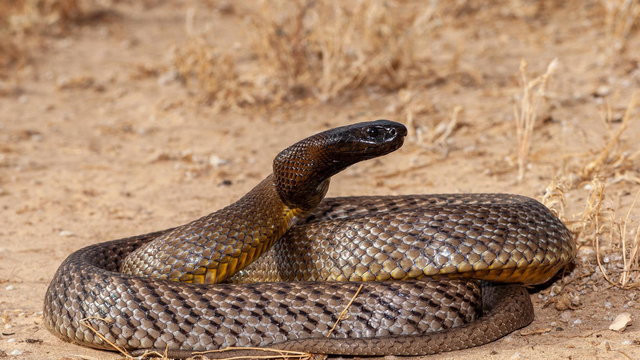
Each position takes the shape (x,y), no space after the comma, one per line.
(92,148)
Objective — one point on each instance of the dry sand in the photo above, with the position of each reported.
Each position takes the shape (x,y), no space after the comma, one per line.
(94,146)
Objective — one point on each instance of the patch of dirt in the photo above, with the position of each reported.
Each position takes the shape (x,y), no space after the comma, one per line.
(100,138)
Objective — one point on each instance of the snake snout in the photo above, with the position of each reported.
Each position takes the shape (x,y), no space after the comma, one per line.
(383,131)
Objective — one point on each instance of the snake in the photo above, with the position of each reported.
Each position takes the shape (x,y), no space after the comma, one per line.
(286,268)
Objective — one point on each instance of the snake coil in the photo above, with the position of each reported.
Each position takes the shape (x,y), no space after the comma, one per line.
(285,263)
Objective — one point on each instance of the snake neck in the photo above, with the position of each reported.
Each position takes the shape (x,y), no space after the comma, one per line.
(216,246)
(302,172)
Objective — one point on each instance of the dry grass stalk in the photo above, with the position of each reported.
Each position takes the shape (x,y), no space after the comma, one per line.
(526,111)
(212,72)
(619,21)
(277,353)
(590,218)
(10,52)
(324,48)
(554,198)
(343,313)
(85,322)
(610,160)
(443,131)
(627,239)
(45,15)
(616,241)
(19,18)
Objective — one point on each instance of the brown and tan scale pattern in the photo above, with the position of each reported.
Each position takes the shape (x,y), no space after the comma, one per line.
(123,288)
(498,237)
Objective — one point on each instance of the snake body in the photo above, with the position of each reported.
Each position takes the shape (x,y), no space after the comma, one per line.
(144,292)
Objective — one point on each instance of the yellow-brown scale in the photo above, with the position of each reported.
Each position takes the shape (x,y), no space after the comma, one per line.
(218,271)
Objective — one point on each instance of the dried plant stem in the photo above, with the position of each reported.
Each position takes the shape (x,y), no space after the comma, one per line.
(343,313)
(620,18)
(85,322)
(604,157)
(526,112)
(277,353)
(629,257)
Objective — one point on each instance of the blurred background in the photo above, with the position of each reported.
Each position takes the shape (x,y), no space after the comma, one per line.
(119,117)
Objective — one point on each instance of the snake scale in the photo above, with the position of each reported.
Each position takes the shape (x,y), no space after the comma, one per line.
(286,262)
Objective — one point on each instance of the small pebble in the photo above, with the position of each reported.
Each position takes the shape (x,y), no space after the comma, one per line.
(9,287)
(608,305)
(620,322)
(16,352)
(66,233)
(216,161)
(577,322)
(12,340)
(565,316)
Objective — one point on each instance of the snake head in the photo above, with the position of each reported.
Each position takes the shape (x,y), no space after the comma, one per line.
(302,171)
(362,141)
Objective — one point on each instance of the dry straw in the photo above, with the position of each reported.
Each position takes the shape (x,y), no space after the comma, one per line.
(615,239)
(610,160)
(527,109)
(311,50)
(20,19)
(620,18)
(323,48)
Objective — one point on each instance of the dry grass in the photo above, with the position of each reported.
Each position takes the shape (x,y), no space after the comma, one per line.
(326,48)
(600,226)
(319,50)
(620,17)
(213,73)
(614,238)
(39,16)
(11,54)
(527,109)
(24,22)
(610,161)
(623,237)
(425,130)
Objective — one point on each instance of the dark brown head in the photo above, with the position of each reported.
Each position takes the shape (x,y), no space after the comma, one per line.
(302,171)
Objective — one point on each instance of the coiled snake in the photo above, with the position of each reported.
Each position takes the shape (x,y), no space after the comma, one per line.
(146,292)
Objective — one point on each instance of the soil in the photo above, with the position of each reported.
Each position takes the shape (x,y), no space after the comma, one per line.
(98,141)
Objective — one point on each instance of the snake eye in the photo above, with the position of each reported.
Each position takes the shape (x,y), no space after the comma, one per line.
(373,132)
